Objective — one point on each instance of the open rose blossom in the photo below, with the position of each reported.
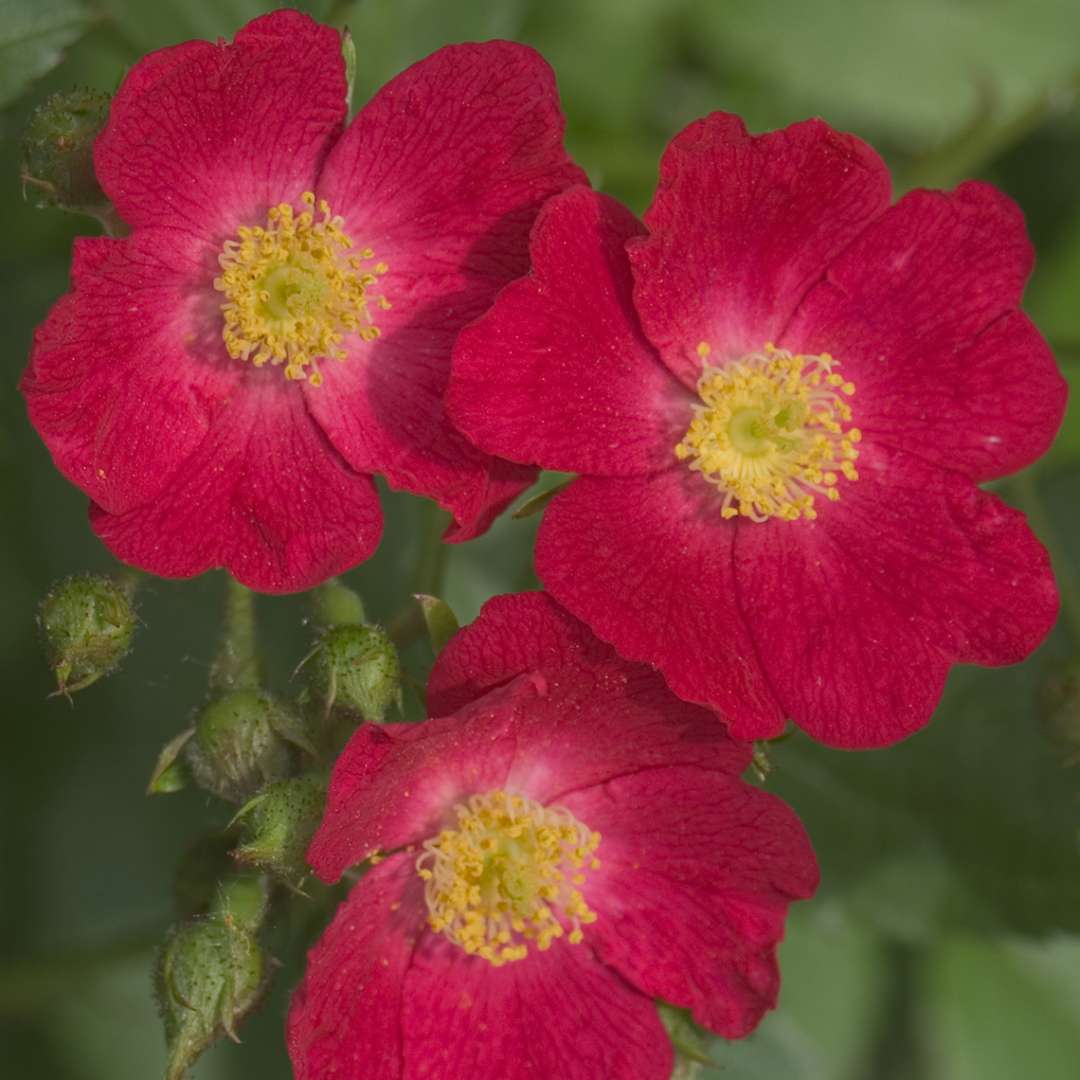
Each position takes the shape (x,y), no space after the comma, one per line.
(278,324)
(782,393)
(567,843)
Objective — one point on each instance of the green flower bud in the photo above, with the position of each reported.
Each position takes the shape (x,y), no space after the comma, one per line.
(278,825)
(211,973)
(237,748)
(242,899)
(1060,712)
(88,623)
(356,668)
(687,1041)
(58,162)
(208,882)
(335,604)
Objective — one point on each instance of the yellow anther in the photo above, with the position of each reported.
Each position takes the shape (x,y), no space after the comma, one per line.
(291,295)
(500,878)
(769,432)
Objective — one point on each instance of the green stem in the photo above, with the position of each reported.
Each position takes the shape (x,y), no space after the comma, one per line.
(236,666)
(1027,494)
(428,576)
(983,140)
(896,1050)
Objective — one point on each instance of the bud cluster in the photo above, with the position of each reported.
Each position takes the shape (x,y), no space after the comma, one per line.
(89,624)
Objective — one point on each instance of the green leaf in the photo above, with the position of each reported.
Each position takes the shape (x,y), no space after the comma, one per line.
(538,502)
(170,773)
(439,617)
(833,985)
(997,1011)
(969,823)
(33,36)
(918,70)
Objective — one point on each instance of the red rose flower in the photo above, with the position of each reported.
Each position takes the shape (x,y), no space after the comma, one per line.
(568,842)
(782,393)
(277,326)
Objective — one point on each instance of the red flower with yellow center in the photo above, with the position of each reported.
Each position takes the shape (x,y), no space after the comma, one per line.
(568,842)
(781,393)
(278,324)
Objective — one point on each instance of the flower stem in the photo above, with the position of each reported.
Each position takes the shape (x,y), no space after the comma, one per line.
(428,575)
(236,666)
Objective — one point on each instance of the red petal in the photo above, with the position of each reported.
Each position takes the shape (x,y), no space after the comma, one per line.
(557,1013)
(345,1017)
(955,557)
(921,312)
(382,409)
(263,495)
(442,174)
(204,137)
(543,709)
(858,616)
(558,373)
(113,387)
(397,784)
(741,227)
(696,873)
(599,715)
(647,564)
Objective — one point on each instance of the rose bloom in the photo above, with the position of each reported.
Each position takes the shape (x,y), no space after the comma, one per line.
(567,843)
(277,325)
(781,393)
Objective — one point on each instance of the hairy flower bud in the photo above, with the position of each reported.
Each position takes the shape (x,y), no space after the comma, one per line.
(58,163)
(237,748)
(241,899)
(211,973)
(88,623)
(278,825)
(356,668)
(335,604)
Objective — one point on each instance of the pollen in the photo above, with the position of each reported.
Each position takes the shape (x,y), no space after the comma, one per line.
(296,288)
(773,432)
(508,877)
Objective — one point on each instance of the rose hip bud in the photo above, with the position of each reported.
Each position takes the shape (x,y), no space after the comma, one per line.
(211,973)
(278,824)
(237,748)
(58,162)
(88,623)
(356,668)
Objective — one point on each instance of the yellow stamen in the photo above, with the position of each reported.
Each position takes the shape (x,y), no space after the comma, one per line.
(508,876)
(772,431)
(292,294)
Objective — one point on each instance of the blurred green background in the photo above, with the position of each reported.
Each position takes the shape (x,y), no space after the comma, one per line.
(945,943)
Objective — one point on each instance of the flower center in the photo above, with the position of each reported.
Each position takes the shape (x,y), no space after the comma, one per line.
(509,874)
(772,431)
(292,293)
